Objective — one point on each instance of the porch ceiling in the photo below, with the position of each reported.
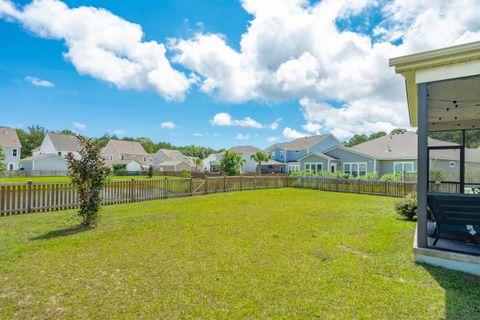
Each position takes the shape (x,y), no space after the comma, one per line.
(439,65)
(454,104)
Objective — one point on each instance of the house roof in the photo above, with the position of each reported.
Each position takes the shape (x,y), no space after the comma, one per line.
(244,149)
(404,146)
(318,154)
(41,157)
(9,138)
(299,144)
(128,147)
(64,142)
(170,153)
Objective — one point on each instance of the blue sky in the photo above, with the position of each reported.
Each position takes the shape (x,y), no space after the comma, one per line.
(298,67)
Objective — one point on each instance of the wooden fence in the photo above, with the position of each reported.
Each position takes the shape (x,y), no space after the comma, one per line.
(45,196)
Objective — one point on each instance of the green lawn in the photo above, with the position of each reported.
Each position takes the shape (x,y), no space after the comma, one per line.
(282,254)
(63,179)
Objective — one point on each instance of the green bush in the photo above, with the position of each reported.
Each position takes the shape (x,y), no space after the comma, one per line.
(392,177)
(186,174)
(150,172)
(119,167)
(437,174)
(408,207)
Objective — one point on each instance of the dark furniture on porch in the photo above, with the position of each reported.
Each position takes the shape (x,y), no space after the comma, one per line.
(457,216)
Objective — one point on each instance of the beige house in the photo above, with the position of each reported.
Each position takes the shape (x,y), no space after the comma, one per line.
(174,166)
(12,148)
(124,152)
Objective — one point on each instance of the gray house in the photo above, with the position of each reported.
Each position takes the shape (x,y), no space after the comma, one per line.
(398,153)
(10,143)
(319,153)
(245,152)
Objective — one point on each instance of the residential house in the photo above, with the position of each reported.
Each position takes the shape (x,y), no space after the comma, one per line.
(246,152)
(51,154)
(398,153)
(174,166)
(212,162)
(52,162)
(290,156)
(59,144)
(10,143)
(129,153)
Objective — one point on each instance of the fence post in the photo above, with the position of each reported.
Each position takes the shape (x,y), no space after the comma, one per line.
(29,195)
(278,182)
(191,186)
(255,182)
(241,182)
(206,184)
(224,183)
(132,196)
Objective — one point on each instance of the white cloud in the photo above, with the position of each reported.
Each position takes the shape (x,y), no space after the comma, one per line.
(167,125)
(119,132)
(290,133)
(312,127)
(241,136)
(80,126)
(272,139)
(198,134)
(39,82)
(225,120)
(102,45)
(274,125)
(294,49)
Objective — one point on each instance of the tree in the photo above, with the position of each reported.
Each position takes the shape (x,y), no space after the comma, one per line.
(89,175)
(2,157)
(242,163)
(398,131)
(198,162)
(362,137)
(229,163)
(31,139)
(260,157)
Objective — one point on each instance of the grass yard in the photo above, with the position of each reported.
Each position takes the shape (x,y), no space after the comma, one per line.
(283,254)
(63,179)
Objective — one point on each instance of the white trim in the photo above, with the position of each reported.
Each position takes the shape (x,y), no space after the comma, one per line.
(460,70)
(316,166)
(11,164)
(358,167)
(333,165)
(452,164)
(318,154)
(403,163)
(295,167)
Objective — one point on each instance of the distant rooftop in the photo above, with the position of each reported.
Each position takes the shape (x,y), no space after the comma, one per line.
(9,138)
(299,144)
(244,149)
(64,142)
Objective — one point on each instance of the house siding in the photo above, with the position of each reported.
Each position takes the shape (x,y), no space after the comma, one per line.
(51,164)
(312,158)
(9,158)
(348,156)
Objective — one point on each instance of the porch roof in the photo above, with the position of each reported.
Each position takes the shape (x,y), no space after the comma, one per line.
(457,62)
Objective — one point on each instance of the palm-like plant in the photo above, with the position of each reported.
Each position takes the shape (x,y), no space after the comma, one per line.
(242,162)
(198,162)
(260,157)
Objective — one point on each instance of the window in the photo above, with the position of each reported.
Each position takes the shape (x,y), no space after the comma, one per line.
(11,166)
(293,168)
(281,154)
(356,169)
(314,167)
(273,154)
(14,152)
(122,157)
(452,164)
(59,153)
(144,159)
(403,167)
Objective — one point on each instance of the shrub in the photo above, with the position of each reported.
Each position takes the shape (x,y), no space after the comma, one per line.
(186,174)
(2,157)
(150,172)
(392,176)
(229,164)
(89,175)
(437,174)
(408,207)
(119,167)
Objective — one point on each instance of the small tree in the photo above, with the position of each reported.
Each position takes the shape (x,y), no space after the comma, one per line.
(150,171)
(242,163)
(260,157)
(2,157)
(198,163)
(229,163)
(89,175)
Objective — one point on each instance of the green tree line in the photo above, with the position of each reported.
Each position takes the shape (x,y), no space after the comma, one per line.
(33,136)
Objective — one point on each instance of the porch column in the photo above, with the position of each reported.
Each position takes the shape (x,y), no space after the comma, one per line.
(422,170)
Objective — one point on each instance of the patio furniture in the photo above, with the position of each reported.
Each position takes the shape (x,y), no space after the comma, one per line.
(457,216)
